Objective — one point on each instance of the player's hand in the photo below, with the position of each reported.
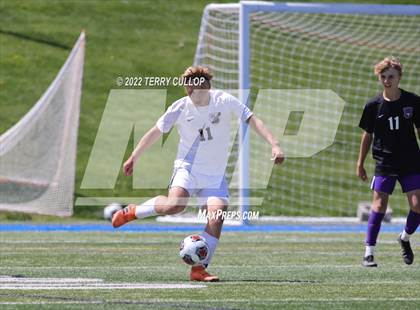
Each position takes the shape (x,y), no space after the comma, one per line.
(128,166)
(361,173)
(277,155)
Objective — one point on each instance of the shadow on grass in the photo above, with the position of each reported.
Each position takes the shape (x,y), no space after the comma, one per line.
(33,39)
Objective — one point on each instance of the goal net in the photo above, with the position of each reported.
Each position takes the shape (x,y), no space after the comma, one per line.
(309,68)
(38,154)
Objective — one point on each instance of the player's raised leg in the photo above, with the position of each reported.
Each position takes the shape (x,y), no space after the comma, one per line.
(174,203)
(212,232)
(412,223)
(379,205)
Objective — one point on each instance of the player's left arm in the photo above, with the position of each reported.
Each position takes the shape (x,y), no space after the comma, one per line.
(417,116)
(276,153)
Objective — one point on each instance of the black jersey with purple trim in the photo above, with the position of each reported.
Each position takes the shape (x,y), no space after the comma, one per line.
(393,124)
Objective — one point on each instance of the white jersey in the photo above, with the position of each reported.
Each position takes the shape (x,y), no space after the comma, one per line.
(204,131)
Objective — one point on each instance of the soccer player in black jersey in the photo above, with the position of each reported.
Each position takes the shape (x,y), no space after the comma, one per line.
(390,120)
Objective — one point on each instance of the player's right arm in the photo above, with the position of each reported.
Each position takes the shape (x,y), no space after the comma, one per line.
(367,123)
(145,142)
(365,143)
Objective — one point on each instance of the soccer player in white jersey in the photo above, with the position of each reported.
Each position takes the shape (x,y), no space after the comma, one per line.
(203,120)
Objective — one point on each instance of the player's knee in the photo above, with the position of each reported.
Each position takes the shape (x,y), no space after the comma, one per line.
(218,212)
(380,202)
(175,208)
(379,206)
(415,206)
(170,205)
(214,203)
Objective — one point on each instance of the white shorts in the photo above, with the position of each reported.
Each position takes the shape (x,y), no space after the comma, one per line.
(202,186)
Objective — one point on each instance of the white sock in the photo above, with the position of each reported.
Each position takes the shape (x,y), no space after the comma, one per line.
(212,242)
(405,236)
(146,209)
(370,249)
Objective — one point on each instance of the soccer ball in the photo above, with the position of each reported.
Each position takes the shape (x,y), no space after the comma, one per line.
(110,209)
(194,250)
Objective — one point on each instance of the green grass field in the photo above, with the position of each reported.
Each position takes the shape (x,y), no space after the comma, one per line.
(257,271)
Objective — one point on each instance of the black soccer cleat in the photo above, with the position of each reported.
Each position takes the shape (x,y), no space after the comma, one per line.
(369,261)
(406,251)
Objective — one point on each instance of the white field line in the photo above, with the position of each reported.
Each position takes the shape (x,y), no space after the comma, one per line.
(253,301)
(103,286)
(8,303)
(5,279)
(13,283)
(17,283)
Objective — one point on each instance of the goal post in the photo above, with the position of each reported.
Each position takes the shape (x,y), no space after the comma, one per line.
(325,50)
(38,154)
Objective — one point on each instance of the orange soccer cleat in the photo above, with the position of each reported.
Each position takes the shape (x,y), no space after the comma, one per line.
(124,216)
(199,273)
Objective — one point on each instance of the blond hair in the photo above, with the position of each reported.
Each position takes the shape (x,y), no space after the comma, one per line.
(387,63)
(197,72)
